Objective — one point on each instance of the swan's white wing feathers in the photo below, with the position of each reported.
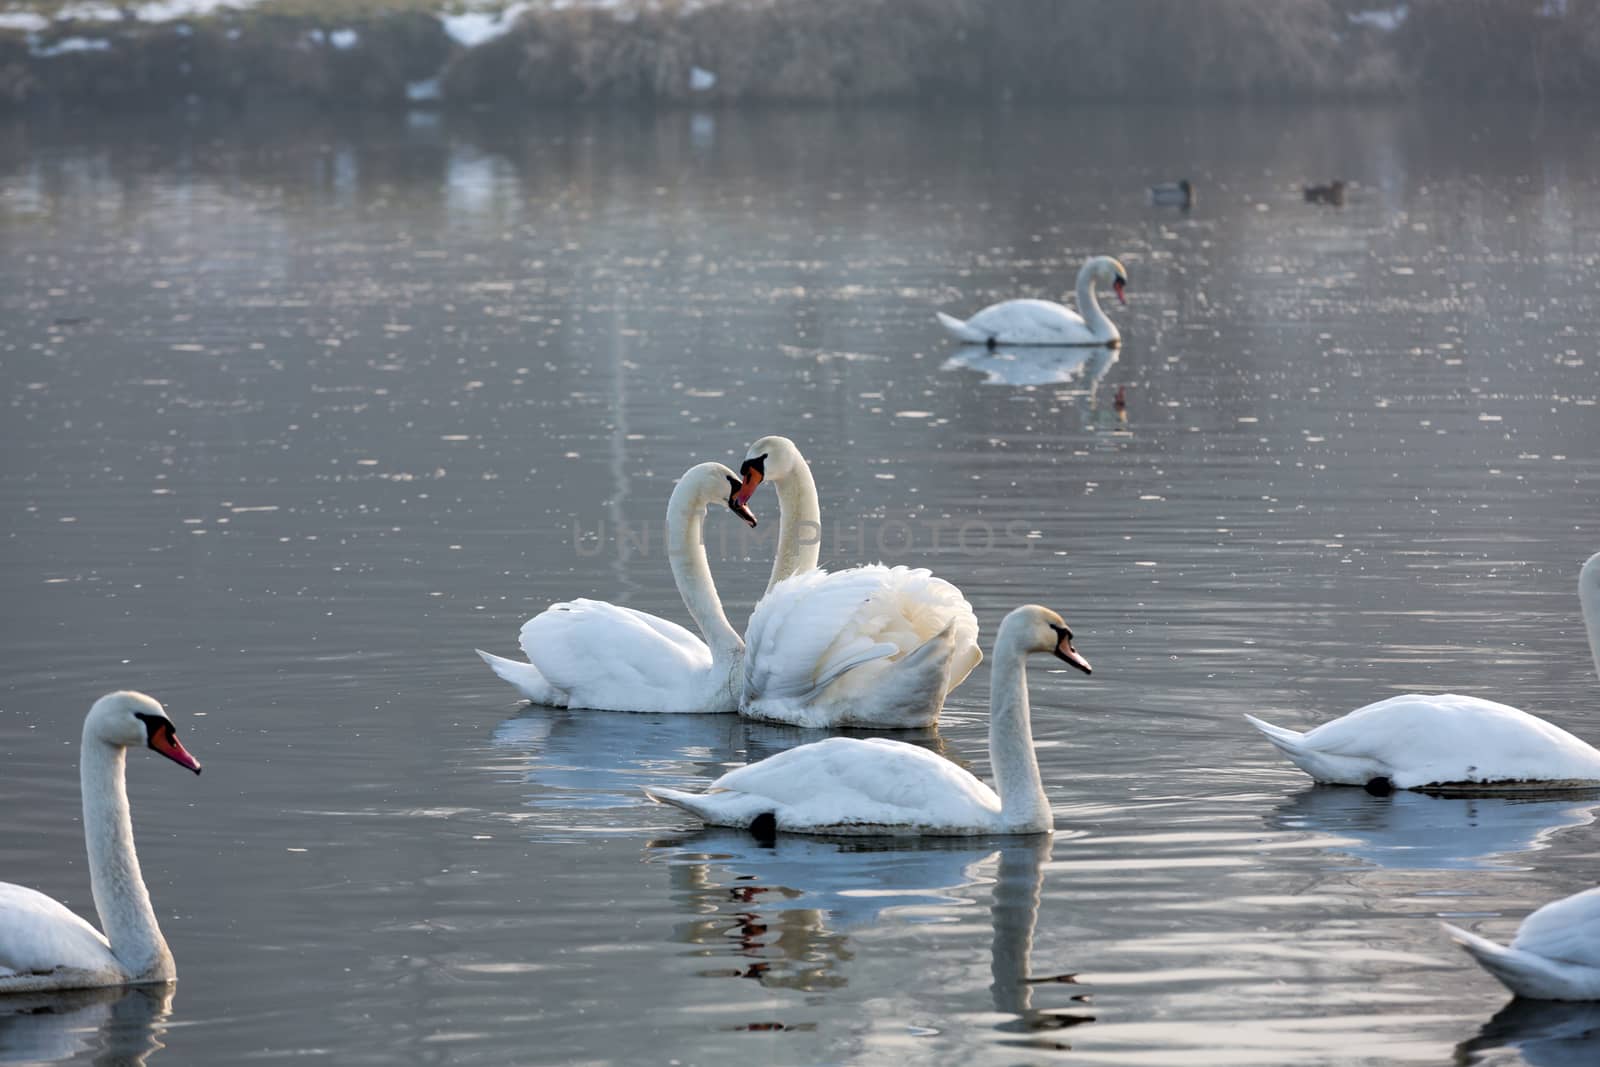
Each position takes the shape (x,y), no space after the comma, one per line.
(605,656)
(814,627)
(1036,322)
(39,935)
(802,631)
(1566,929)
(1426,739)
(846,781)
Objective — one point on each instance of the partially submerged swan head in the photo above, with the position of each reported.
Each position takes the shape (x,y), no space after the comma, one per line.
(1104,270)
(770,457)
(1032,628)
(127,719)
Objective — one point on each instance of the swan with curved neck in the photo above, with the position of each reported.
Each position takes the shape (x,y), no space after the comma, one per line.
(1450,743)
(591,654)
(868,646)
(43,945)
(1043,322)
(877,786)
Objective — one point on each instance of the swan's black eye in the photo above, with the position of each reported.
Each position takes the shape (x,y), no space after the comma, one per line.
(154,725)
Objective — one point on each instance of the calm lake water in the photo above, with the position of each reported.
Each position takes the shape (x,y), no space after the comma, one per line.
(298,413)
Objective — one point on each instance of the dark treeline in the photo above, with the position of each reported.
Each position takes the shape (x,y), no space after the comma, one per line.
(834,51)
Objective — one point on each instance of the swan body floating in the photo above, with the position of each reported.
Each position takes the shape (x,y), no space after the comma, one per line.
(1332,193)
(1449,743)
(1555,955)
(1042,322)
(590,654)
(869,646)
(43,945)
(1173,194)
(878,786)
(1036,365)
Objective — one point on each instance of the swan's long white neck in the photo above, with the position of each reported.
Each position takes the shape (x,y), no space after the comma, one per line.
(126,917)
(1089,304)
(686,551)
(799,515)
(1589,597)
(1011,755)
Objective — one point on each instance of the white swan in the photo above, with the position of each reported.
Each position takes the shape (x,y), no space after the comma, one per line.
(877,786)
(868,646)
(590,654)
(1449,743)
(43,945)
(1555,955)
(1173,194)
(1042,322)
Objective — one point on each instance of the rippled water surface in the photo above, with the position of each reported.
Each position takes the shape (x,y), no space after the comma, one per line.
(298,413)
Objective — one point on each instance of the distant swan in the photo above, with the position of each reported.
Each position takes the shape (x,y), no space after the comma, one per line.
(1041,322)
(590,654)
(877,786)
(1332,193)
(43,945)
(1449,742)
(867,646)
(1555,955)
(1173,194)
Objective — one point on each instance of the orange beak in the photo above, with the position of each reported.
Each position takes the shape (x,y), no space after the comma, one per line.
(165,741)
(1067,654)
(736,501)
(752,472)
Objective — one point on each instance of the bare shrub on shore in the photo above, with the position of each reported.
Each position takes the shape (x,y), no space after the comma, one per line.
(829,51)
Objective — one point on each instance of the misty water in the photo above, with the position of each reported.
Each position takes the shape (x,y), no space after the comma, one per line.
(299,412)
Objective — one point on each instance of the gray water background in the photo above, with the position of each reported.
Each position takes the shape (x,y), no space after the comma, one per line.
(299,411)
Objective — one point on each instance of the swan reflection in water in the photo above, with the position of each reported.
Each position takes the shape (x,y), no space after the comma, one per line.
(1417,831)
(1546,1033)
(599,760)
(118,1026)
(782,914)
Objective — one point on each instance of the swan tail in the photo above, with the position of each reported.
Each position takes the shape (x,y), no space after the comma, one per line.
(1523,973)
(1289,742)
(960,330)
(1327,767)
(525,678)
(721,808)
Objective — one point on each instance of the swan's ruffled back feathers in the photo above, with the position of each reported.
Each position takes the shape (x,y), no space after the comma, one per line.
(810,626)
(611,656)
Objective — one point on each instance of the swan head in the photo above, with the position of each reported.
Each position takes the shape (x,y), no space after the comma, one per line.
(1104,270)
(1032,628)
(701,486)
(1589,581)
(127,719)
(770,457)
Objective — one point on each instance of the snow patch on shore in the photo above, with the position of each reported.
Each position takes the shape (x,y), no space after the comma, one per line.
(473,28)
